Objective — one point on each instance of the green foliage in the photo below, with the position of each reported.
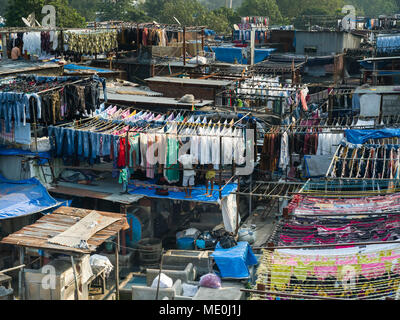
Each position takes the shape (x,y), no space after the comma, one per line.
(86,8)
(3,7)
(231,15)
(121,10)
(266,8)
(374,8)
(66,16)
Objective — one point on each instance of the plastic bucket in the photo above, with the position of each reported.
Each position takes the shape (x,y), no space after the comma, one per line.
(185,243)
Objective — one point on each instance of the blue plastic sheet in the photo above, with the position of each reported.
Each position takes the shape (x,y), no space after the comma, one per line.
(23,197)
(19,152)
(197,194)
(229,54)
(73,67)
(234,262)
(387,44)
(362,136)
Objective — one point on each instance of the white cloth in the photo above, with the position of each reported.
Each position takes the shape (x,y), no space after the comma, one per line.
(284,156)
(215,148)
(229,213)
(98,261)
(32,43)
(187,161)
(165,281)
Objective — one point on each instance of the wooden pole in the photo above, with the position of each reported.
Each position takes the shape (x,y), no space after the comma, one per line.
(137,39)
(117,268)
(21,282)
(202,40)
(197,49)
(184,46)
(75,279)
(123,232)
(159,274)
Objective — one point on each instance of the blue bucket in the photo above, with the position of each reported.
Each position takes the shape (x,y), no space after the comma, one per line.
(185,243)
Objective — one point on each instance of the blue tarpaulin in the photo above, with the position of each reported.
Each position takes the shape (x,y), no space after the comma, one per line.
(75,67)
(362,136)
(228,54)
(23,197)
(197,194)
(388,44)
(234,262)
(209,32)
(19,152)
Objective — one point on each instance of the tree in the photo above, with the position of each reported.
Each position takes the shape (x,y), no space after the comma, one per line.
(374,8)
(186,11)
(266,8)
(293,9)
(231,15)
(123,10)
(86,8)
(154,8)
(3,7)
(65,15)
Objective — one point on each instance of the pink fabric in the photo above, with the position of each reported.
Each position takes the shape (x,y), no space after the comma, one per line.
(308,238)
(112,111)
(346,260)
(373,270)
(322,272)
(303,101)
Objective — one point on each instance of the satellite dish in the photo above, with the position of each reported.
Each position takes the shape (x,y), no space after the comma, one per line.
(30,21)
(177,20)
(27,23)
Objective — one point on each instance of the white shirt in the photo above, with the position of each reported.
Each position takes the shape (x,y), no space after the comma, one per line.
(187,161)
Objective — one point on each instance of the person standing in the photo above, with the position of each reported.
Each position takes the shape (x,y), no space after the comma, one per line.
(187,161)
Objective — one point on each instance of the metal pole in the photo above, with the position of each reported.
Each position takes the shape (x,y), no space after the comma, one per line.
(117,268)
(220,167)
(21,284)
(319,246)
(237,207)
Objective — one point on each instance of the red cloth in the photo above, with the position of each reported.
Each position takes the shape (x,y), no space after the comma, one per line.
(121,162)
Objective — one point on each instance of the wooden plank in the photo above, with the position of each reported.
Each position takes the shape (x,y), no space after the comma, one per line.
(83,229)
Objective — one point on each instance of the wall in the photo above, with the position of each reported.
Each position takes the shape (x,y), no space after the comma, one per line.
(176,90)
(326,42)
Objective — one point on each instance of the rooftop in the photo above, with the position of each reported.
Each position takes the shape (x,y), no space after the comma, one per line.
(37,235)
(199,82)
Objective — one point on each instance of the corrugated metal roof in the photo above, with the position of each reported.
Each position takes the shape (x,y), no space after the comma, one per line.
(11,67)
(199,82)
(379,90)
(36,235)
(155,100)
